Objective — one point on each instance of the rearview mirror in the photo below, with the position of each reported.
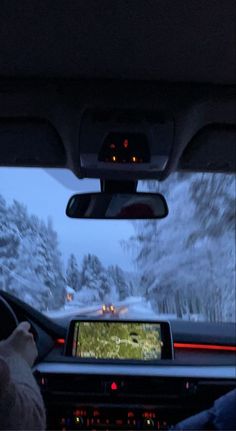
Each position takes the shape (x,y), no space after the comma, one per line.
(117,206)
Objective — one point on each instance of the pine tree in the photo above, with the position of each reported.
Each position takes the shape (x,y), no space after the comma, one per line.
(122,287)
(72,273)
(54,278)
(96,284)
(28,281)
(30,258)
(9,242)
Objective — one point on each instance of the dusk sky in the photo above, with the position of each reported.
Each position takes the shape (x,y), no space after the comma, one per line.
(46,192)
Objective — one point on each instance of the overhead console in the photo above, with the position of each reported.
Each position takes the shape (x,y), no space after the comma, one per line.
(117,130)
(137,144)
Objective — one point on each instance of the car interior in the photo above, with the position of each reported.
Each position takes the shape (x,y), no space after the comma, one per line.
(121,92)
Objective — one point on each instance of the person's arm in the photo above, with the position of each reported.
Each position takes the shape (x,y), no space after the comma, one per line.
(222,416)
(199,422)
(21,404)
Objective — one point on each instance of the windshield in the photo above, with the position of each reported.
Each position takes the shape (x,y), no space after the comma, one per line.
(181,267)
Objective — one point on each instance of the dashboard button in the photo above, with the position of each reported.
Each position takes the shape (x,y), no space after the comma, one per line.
(114,386)
(78,420)
(149,423)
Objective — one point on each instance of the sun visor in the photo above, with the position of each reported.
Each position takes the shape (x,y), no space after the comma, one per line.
(131,144)
(212,149)
(30,142)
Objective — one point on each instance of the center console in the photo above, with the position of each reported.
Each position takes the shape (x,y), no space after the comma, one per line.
(105,403)
(106,400)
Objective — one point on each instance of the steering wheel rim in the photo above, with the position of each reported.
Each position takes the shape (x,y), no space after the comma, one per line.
(8,319)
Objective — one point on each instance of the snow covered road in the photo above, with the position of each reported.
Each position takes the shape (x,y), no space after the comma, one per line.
(131,308)
(134,308)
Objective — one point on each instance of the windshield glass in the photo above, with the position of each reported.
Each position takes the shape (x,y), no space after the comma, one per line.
(181,267)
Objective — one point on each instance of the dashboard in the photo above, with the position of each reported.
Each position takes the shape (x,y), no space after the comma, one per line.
(87,393)
(125,397)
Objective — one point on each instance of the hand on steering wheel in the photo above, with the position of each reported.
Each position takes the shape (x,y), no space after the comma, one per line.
(17,338)
(20,342)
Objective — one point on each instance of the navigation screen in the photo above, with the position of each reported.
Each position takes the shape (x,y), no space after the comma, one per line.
(117,340)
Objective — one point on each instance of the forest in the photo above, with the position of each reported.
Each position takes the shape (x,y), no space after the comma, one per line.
(183,265)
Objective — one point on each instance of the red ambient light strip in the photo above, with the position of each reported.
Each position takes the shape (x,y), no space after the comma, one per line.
(204,347)
(189,346)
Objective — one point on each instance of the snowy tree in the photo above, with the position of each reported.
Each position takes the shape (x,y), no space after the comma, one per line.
(9,242)
(30,260)
(28,281)
(214,199)
(72,273)
(123,287)
(96,283)
(53,267)
(182,256)
(18,215)
(214,214)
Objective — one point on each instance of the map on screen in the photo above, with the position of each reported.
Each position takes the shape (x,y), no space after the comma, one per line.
(117,340)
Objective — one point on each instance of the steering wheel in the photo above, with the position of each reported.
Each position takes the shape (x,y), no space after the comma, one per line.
(8,319)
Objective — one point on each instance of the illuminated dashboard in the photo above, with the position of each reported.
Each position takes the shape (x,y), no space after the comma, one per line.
(121,397)
(95,385)
(115,394)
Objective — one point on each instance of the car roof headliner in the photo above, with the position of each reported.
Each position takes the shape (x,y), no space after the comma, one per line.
(180,40)
(57,58)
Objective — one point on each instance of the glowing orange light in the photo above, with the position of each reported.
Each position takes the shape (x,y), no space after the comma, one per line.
(114,158)
(134,159)
(126,143)
(69,297)
(60,341)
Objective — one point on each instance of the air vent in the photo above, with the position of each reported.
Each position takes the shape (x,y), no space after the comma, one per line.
(127,387)
(72,384)
(152,388)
